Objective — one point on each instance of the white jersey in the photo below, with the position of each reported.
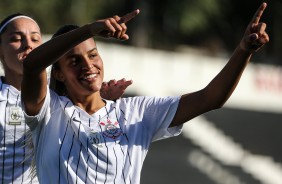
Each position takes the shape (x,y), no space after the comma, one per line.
(105,148)
(14,161)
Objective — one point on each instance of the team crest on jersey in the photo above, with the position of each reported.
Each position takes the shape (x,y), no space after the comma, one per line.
(15,115)
(111,129)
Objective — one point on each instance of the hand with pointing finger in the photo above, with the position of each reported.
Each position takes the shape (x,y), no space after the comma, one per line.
(255,35)
(114,27)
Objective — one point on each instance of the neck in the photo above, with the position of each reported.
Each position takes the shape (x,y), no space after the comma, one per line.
(90,104)
(13,80)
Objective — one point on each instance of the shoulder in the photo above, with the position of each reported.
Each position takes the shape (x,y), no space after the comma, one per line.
(140,101)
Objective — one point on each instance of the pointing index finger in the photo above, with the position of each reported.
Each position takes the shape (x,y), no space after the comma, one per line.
(129,16)
(259,13)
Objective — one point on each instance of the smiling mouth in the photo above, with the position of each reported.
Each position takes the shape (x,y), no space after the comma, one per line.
(87,77)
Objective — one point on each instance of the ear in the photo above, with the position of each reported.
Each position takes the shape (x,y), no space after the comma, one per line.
(57,74)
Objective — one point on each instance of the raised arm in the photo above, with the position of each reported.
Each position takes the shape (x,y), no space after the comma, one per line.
(34,84)
(216,93)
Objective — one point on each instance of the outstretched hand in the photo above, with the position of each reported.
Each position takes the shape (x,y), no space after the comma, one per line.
(255,35)
(114,27)
(113,89)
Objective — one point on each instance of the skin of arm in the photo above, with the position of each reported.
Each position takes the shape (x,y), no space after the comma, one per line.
(216,93)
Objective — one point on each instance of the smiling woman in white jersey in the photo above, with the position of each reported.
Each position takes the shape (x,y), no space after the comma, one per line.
(80,137)
(19,35)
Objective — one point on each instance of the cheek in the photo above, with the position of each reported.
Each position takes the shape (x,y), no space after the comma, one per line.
(9,55)
(37,44)
(70,75)
(11,51)
(14,47)
(101,68)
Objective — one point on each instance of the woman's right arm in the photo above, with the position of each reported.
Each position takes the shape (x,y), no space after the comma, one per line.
(34,83)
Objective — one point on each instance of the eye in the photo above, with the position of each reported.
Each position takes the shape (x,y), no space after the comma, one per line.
(92,56)
(36,38)
(15,39)
(73,61)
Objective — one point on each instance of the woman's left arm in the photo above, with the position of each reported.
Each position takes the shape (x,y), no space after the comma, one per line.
(217,92)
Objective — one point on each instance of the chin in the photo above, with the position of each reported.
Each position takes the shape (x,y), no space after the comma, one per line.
(95,88)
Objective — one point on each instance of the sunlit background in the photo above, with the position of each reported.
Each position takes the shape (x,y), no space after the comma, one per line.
(177,47)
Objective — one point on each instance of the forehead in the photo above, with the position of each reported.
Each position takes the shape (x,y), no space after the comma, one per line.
(85,46)
(23,25)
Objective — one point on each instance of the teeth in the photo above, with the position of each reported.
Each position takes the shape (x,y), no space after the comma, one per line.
(90,76)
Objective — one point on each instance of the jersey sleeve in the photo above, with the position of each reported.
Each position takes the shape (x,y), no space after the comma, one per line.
(161,113)
(34,122)
(153,115)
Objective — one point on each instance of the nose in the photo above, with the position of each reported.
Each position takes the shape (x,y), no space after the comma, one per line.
(87,65)
(27,44)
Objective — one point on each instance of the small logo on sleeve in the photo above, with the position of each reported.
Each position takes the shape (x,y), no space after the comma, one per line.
(15,115)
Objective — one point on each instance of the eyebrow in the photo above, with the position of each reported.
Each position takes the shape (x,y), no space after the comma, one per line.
(89,51)
(92,50)
(21,33)
(72,54)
